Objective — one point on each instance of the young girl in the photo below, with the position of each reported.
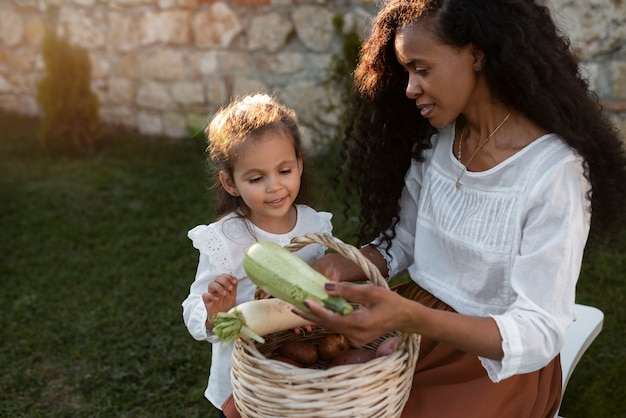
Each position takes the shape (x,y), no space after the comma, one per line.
(255,147)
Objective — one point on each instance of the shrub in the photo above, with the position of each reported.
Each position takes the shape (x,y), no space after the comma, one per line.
(339,74)
(70,109)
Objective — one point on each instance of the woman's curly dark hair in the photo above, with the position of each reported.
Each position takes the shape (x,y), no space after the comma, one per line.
(529,66)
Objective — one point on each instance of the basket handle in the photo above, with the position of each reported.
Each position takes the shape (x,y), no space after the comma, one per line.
(354,255)
(348,251)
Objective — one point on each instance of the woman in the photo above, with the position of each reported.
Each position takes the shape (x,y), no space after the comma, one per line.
(472,116)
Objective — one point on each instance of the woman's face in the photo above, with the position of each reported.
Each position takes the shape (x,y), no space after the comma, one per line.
(442,79)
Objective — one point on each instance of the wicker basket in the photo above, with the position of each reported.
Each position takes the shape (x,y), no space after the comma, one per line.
(268,388)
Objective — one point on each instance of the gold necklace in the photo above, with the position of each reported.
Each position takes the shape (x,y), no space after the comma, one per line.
(478,148)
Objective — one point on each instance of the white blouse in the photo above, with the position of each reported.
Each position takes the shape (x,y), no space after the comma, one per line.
(508,244)
(222,245)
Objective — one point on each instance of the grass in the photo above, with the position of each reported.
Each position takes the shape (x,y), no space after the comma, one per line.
(94,262)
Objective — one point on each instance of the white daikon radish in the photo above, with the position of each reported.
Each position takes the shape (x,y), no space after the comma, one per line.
(256,318)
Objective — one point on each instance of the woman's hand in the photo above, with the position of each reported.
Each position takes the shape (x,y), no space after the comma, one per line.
(333,266)
(220,296)
(341,269)
(379,312)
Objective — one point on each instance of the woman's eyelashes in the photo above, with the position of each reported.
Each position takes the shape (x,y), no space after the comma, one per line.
(412,69)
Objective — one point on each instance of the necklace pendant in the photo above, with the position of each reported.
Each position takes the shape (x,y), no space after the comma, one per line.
(458,184)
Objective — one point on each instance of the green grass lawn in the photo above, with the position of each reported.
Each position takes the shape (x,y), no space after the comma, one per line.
(95,261)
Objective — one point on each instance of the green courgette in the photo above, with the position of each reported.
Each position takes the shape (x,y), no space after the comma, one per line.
(285,276)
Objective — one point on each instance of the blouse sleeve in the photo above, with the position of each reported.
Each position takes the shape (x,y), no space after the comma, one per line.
(400,255)
(312,222)
(212,262)
(325,222)
(545,272)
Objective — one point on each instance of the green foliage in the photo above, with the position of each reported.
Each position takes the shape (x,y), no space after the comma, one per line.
(597,385)
(95,261)
(339,75)
(71,122)
(339,82)
(340,72)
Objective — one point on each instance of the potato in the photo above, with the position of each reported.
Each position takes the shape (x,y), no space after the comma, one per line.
(299,351)
(332,345)
(287,360)
(353,356)
(388,346)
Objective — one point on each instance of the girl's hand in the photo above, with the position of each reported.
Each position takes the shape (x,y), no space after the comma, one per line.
(220,295)
(379,312)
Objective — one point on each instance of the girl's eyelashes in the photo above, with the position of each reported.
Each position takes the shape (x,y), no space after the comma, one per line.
(256,179)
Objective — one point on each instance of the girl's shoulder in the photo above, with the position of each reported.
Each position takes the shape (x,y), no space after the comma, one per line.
(305,212)
(231,227)
(204,229)
(234,230)
(313,220)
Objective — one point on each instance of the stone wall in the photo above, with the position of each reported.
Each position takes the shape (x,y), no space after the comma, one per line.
(160,67)
(597,29)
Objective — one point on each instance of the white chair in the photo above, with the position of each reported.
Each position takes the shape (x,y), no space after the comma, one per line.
(578,338)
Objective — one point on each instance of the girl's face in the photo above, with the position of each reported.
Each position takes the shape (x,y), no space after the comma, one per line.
(442,78)
(267,177)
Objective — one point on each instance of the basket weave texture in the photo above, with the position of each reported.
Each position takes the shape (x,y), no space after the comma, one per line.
(266,388)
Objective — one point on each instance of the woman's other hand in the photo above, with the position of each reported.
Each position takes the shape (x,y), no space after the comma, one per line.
(334,266)
(341,269)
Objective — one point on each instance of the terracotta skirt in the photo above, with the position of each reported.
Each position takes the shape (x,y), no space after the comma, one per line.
(449,383)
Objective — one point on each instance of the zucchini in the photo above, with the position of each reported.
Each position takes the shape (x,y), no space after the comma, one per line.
(283,275)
